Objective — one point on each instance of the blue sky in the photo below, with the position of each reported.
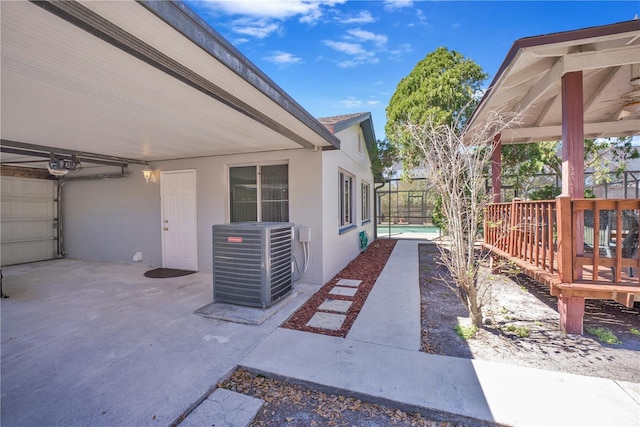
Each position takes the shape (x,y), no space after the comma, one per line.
(340,57)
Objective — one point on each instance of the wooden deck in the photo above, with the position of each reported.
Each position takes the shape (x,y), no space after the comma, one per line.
(553,242)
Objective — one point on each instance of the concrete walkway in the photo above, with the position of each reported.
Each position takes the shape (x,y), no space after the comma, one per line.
(379,361)
(87,343)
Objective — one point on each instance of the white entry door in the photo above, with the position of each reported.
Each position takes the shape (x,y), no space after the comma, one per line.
(179,220)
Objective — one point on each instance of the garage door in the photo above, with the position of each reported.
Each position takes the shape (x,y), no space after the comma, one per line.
(29,224)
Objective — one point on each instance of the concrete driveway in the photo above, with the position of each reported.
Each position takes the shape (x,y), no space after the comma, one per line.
(89,343)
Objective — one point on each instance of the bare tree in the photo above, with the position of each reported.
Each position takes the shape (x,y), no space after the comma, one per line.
(456,165)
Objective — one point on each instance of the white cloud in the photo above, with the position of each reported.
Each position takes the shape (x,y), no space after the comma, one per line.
(364,17)
(422,19)
(378,83)
(348,64)
(305,10)
(258,28)
(400,51)
(379,39)
(240,41)
(351,102)
(359,55)
(373,102)
(261,18)
(283,58)
(355,49)
(362,47)
(397,4)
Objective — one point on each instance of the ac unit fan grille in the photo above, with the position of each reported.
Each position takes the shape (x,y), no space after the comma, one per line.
(252,263)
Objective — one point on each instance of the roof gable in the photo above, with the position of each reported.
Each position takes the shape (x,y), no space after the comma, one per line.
(336,124)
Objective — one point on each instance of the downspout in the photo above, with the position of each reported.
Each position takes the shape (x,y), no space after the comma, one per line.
(375,209)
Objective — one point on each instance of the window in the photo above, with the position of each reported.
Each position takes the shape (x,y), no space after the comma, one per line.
(366,210)
(346,199)
(259,193)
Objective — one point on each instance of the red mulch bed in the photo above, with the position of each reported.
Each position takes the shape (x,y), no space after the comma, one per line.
(365,267)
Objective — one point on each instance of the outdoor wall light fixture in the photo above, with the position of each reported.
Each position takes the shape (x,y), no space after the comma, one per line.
(148,174)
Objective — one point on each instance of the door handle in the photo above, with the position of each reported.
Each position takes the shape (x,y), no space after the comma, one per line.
(166,229)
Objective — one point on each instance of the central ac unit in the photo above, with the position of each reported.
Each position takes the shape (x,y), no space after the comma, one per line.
(252,263)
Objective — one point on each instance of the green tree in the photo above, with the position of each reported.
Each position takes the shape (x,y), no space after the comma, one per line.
(382,156)
(441,89)
(605,158)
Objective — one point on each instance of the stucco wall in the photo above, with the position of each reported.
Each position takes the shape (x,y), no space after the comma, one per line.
(342,248)
(111,220)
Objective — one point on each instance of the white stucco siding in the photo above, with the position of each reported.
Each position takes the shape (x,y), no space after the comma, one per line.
(341,248)
(213,198)
(111,220)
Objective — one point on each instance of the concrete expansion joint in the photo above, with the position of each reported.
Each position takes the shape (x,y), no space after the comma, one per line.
(378,344)
(636,398)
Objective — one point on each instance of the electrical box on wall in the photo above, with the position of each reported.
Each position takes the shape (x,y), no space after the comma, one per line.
(304,234)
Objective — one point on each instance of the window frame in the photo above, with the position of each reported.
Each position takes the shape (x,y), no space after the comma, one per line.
(365,198)
(346,221)
(259,190)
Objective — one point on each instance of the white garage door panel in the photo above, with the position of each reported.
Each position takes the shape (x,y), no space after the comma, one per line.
(27,187)
(21,252)
(28,209)
(23,230)
(29,224)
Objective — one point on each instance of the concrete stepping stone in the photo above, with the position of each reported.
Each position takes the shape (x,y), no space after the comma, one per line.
(349,282)
(335,305)
(224,408)
(327,321)
(343,291)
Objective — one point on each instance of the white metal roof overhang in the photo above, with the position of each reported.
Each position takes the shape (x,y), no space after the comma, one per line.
(529,81)
(138,80)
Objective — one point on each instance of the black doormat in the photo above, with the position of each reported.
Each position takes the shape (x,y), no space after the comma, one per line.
(163,273)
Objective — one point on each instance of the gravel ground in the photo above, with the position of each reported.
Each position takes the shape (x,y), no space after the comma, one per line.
(521,321)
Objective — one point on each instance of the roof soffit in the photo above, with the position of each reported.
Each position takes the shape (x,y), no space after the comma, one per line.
(530,81)
(202,127)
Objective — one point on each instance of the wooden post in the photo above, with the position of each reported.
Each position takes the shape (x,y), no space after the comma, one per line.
(565,241)
(570,308)
(572,135)
(571,311)
(573,150)
(513,226)
(496,168)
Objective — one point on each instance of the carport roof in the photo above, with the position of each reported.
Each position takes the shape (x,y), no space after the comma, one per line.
(142,80)
(529,81)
